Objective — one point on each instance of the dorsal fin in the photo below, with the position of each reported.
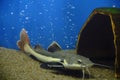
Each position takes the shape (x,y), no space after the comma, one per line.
(38,46)
(54,46)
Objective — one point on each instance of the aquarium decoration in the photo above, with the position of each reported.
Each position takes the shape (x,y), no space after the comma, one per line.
(99,38)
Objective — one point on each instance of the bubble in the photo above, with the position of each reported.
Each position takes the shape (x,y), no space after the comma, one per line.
(26,18)
(50,38)
(73,24)
(41,28)
(52,35)
(74,46)
(56,18)
(71,37)
(40,37)
(65,37)
(71,43)
(11,13)
(72,14)
(44,5)
(6,40)
(52,0)
(46,10)
(76,36)
(26,6)
(68,12)
(76,39)
(4,28)
(20,1)
(72,7)
(63,40)
(114,6)
(63,29)
(51,4)
(70,20)
(71,29)
(40,13)
(12,28)
(22,12)
(9,5)
(67,46)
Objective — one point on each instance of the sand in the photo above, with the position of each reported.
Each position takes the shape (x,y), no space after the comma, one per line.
(16,65)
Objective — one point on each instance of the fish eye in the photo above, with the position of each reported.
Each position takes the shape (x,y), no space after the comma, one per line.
(79,61)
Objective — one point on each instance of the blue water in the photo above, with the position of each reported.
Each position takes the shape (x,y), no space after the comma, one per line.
(46,20)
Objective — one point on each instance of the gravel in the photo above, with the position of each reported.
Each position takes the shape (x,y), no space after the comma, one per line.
(16,65)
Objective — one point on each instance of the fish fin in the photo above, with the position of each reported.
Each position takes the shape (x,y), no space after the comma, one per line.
(96,64)
(38,46)
(23,40)
(20,45)
(54,46)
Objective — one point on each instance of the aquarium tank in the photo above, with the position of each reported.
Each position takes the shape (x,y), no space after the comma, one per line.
(46,20)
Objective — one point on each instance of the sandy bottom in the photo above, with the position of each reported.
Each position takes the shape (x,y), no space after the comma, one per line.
(15,65)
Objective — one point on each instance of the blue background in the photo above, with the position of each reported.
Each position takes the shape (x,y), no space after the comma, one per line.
(46,20)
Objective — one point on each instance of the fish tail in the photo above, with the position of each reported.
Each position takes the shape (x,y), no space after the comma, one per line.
(23,40)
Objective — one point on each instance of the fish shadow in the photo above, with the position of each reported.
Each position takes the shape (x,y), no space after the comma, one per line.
(67,72)
(63,71)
